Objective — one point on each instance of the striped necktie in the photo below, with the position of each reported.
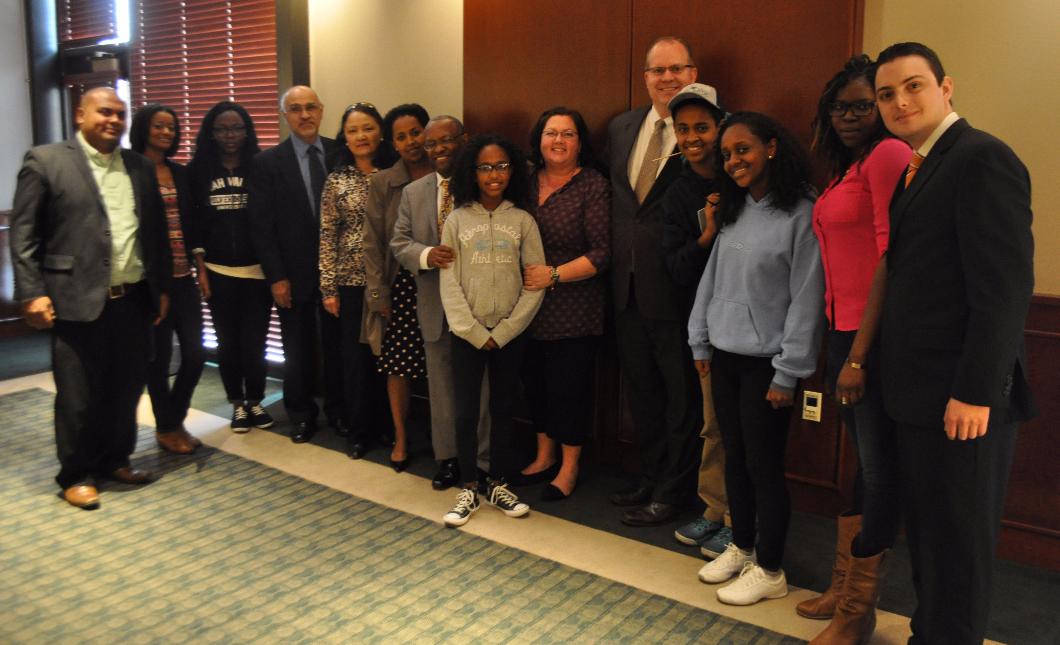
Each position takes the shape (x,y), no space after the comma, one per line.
(914,165)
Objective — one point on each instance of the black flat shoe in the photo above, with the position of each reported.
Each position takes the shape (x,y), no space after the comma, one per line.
(303,432)
(552,493)
(545,475)
(399,465)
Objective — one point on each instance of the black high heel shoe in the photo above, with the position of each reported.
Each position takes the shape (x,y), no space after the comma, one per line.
(545,475)
(399,465)
(552,493)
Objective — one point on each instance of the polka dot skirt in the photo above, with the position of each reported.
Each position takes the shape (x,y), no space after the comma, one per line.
(402,343)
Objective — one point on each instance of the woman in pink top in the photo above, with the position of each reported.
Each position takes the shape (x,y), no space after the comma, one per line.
(851,219)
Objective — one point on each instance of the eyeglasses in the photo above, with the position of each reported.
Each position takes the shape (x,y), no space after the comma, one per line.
(234,130)
(859,108)
(298,108)
(431,144)
(673,69)
(562,134)
(501,166)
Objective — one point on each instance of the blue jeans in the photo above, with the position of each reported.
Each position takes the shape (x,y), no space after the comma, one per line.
(873,434)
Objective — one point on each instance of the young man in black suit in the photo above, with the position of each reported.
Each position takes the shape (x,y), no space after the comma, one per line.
(651,323)
(959,277)
(284,202)
(92,263)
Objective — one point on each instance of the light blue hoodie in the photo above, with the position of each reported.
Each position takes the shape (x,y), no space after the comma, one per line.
(762,293)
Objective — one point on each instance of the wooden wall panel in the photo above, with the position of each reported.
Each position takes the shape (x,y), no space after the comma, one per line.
(522,58)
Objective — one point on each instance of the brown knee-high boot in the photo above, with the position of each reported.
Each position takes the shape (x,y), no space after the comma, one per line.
(823,607)
(855,612)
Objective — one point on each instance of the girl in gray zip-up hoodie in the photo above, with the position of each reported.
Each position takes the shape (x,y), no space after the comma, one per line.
(488,309)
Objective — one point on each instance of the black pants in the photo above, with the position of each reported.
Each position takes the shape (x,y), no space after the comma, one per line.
(299,326)
(240,309)
(100,368)
(559,378)
(664,400)
(363,387)
(953,493)
(876,493)
(171,403)
(755,436)
(468,365)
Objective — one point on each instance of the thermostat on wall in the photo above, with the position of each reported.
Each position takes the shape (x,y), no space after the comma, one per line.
(811,406)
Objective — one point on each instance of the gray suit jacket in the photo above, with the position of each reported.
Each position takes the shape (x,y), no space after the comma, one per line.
(416,229)
(60,232)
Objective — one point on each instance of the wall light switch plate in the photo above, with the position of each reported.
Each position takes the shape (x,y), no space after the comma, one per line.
(811,405)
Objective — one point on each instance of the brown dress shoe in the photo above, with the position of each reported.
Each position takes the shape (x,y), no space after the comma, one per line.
(130,475)
(177,441)
(82,496)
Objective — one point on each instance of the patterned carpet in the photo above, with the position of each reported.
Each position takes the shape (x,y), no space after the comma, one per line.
(225,550)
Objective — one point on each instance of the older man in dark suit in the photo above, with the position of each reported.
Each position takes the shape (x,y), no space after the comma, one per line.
(92,263)
(651,323)
(959,272)
(284,202)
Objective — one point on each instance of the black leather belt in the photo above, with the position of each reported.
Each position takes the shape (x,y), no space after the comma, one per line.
(124,289)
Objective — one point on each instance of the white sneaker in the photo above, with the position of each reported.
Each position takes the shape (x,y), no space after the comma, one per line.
(497,494)
(466,504)
(729,563)
(754,584)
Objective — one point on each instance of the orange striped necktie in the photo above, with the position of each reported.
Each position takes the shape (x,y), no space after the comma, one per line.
(914,165)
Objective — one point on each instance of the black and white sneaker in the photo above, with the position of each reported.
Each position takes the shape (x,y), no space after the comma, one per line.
(466,504)
(240,419)
(497,494)
(259,418)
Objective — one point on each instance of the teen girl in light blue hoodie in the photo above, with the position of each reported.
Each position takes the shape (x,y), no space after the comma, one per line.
(756,327)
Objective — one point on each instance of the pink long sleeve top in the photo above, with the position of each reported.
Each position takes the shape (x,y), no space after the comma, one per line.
(852,223)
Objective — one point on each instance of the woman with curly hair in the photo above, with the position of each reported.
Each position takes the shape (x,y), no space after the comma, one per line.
(493,239)
(852,223)
(756,328)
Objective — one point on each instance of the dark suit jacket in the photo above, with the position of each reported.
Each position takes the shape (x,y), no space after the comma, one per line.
(286,229)
(636,229)
(60,232)
(959,282)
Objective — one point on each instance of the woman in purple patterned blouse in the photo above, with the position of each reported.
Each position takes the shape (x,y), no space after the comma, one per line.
(572,203)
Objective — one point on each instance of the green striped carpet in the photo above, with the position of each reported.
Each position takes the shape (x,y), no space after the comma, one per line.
(225,550)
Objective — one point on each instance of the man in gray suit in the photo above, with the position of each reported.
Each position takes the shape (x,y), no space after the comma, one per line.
(92,263)
(425,203)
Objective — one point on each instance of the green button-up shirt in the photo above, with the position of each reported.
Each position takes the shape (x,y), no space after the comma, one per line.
(116,189)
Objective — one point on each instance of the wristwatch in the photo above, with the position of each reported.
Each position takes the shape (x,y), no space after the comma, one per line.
(554,272)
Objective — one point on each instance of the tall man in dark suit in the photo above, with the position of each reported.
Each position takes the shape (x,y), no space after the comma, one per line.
(416,243)
(959,282)
(661,383)
(284,202)
(92,263)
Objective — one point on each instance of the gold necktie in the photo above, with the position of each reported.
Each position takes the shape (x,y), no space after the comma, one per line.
(649,167)
(447,205)
(914,165)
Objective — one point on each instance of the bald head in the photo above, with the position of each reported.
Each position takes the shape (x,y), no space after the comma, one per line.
(101,118)
(304,112)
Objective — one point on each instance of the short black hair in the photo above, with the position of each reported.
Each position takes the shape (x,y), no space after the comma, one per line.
(465,177)
(414,110)
(140,131)
(586,157)
(826,141)
(385,155)
(207,157)
(898,50)
(789,170)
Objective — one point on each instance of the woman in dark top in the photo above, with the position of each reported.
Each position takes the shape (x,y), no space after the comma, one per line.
(155,133)
(233,283)
(572,211)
